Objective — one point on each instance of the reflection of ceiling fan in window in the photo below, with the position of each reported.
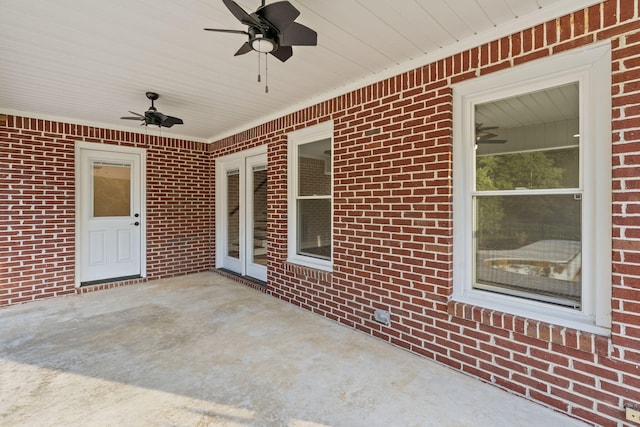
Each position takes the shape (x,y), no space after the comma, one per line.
(483,136)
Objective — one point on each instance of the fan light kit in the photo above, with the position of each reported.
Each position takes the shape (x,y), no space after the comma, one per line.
(153,117)
(271,30)
(262,44)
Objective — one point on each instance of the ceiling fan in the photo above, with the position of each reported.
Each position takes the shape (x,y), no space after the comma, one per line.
(485,137)
(271,29)
(153,117)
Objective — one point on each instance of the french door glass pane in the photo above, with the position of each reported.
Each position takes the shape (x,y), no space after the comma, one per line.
(530,246)
(233,214)
(111,190)
(260,216)
(314,228)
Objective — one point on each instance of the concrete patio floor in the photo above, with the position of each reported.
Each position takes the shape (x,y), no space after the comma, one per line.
(202,350)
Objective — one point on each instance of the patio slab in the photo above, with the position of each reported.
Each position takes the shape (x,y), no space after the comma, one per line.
(202,350)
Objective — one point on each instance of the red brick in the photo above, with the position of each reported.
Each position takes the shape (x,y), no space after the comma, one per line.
(594,17)
(610,13)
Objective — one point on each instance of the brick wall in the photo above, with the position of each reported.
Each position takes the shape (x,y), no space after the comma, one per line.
(37,206)
(393,227)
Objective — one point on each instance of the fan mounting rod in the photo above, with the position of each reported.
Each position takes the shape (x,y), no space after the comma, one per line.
(152,96)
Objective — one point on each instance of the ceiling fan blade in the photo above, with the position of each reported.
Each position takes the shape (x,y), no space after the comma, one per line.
(240,14)
(226,31)
(245,48)
(283,53)
(481,128)
(154,117)
(483,137)
(170,121)
(486,136)
(280,14)
(298,35)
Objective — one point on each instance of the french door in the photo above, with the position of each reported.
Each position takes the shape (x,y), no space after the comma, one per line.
(241,213)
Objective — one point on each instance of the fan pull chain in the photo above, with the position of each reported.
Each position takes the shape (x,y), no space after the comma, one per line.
(259,79)
(266,74)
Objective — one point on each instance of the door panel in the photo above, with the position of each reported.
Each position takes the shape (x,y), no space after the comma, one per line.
(110,215)
(97,250)
(126,241)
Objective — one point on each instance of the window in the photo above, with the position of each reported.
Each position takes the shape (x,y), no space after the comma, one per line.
(111,189)
(532,204)
(310,196)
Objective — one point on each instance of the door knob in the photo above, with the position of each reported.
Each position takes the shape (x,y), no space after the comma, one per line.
(136,223)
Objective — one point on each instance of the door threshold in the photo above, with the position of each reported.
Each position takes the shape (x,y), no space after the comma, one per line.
(245,278)
(109,280)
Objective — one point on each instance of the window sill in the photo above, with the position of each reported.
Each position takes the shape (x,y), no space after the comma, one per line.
(534,310)
(308,272)
(585,341)
(310,262)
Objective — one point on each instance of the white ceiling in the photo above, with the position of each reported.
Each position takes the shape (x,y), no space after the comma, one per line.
(90,61)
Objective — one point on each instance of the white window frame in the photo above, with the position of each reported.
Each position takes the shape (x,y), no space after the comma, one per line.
(296,139)
(591,67)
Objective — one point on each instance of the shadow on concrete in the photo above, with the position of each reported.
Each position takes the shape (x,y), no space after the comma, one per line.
(202,350)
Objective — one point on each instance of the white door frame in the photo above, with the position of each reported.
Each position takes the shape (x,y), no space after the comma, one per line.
(107,148)
(223,164)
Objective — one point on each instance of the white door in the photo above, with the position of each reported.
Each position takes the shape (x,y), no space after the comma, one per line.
(110,214)
(241,214)
(230,215)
